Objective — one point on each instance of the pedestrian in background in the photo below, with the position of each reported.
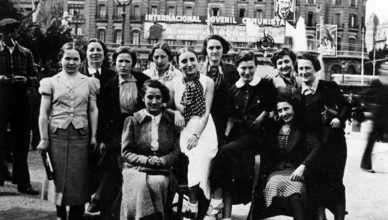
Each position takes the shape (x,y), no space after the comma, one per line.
(223,75)
(17,72)
(327,112)
(68,127)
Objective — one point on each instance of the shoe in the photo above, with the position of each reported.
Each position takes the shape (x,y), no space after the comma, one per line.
(368,170)
(188,215)
(212,212)
(28,190)
(94,206)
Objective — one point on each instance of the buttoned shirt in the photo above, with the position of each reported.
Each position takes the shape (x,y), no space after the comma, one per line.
(69,100)
(155,120)
(94,72)
(128,94)
(17,61)
(307,90)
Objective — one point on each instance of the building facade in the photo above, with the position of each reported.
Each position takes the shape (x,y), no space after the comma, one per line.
(102,19)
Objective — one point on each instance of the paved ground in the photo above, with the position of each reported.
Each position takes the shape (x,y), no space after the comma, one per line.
(367,194)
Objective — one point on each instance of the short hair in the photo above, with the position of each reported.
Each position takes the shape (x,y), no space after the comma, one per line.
(225,44)
(298,107)
(95,40)
(69,46)
(184,50)
(243,56)
(163,46)
(281,53)
(153,83)
(308,56)
(125,49)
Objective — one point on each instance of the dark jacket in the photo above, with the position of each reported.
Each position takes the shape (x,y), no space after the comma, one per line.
(303,147)
(136,140)
(112,120)
(105,75)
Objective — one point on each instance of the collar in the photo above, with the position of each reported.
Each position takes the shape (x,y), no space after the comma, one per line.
(131,79)
(240,83)
(92,71)
(306,90)
(142,114)
(209,66)
(3,46)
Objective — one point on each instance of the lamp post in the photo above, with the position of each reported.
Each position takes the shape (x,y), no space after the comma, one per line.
(123,4)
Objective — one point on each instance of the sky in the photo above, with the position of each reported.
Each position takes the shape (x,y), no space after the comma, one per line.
(379,7)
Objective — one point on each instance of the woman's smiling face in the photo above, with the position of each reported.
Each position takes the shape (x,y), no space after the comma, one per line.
(285,111)
(71,61)
(188,63)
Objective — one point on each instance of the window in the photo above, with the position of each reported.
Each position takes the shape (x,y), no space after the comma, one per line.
(338,19)
(154,10)
(242,12)
(171,42)
(215,12)
(352,44)
(339,43)
(153,42)
(135,37)
(353,3)
(311,2)
(187,43)
(136,11)
(189,11)
(259,13)
(310,42)
(171,10)
(101,34)
(338,2)
(102,11)
(310,19)
(117,36)
(352,21)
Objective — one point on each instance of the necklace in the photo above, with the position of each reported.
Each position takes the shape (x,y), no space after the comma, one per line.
(286,129)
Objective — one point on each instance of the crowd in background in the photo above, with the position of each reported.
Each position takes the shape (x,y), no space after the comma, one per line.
(117,137)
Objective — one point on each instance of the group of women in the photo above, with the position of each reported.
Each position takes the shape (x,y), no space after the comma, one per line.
(219,115)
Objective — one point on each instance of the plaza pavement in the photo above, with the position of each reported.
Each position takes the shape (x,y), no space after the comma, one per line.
(367,194)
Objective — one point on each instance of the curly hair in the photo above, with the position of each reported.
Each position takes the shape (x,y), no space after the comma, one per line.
(163,46)
(281,53)
(308,56)
(153,83)
(125,49)
(243,56)
(225,44)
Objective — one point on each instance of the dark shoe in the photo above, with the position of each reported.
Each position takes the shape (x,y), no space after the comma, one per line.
(94,206)
(368,170)
(188,215)
(28,190)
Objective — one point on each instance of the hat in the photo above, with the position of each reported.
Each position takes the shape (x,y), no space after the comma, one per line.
(9,24)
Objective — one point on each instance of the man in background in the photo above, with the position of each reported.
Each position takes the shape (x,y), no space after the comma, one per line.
(284,10)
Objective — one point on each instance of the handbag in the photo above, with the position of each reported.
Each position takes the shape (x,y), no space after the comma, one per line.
(155,171)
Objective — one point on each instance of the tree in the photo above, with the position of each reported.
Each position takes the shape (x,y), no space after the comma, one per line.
(8,10)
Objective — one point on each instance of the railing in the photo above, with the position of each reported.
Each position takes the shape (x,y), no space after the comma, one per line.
(352,54)
(353,80)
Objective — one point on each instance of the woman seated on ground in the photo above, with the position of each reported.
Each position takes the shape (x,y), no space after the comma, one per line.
(252,99)
(291,151)
(149,148)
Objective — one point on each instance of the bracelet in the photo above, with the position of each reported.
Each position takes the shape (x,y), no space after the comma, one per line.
(196,135)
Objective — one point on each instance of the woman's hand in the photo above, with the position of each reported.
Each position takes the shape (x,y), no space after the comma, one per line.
(93,143)
(154,161)
(192,142)
(335,123)
(297,175)
(43,146)
(179,120)
(102,147)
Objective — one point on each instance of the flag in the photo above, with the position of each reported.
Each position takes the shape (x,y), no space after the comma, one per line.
(326,33)
(210,29)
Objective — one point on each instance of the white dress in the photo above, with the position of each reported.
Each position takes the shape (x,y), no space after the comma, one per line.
(201,156)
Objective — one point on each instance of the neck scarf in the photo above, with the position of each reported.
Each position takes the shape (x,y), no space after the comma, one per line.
(218,78)
(193,99)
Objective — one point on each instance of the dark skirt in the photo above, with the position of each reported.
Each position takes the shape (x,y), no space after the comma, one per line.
(69,152)
(233,169)
(326,186)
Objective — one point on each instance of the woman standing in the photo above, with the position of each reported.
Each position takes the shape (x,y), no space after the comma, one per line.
(223,76)
(150,145)
(291,149)
(252,99)
(120,98)
(97,64)
(163,70)
(327,111)
(193,95)
(68,99)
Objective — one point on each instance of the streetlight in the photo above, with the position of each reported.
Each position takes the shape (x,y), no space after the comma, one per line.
(123,4)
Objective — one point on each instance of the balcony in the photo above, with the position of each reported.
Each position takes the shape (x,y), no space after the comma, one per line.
(101,17)
(135,17)
(354,29)
(352,54)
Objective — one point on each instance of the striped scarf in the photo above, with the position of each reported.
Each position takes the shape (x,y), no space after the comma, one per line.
(193,99)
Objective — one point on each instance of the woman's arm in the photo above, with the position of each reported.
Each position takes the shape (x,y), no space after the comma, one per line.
(93,119)
(178,117)
(193,141)
(43,123)
(128,145)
